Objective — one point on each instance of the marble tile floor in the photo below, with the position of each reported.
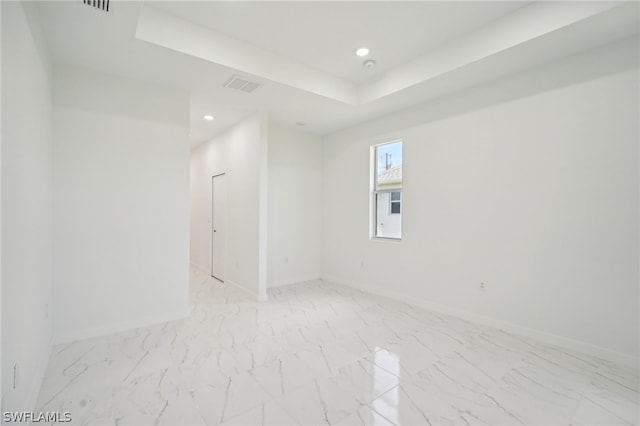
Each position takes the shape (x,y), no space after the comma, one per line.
(318,354)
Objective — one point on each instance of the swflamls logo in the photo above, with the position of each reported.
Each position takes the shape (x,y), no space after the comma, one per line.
(30,416)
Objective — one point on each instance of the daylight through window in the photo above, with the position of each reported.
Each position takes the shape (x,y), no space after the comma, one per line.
(387,190)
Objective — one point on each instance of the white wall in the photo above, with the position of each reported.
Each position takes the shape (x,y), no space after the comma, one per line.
(1,365)
(295,209)
(529,185)
(26,205)
(121,204)
(241,153)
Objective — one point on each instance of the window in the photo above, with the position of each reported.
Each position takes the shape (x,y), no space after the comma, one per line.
(394,207)
(386,194)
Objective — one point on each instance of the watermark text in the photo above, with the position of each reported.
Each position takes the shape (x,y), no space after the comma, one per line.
(33,417)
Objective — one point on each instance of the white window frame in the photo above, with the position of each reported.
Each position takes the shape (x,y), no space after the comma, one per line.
(373,220)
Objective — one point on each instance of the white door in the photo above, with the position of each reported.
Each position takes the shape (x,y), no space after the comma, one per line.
(219,227)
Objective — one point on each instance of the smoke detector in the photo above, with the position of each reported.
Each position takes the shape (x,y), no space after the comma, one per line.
(369,63)
(238,83)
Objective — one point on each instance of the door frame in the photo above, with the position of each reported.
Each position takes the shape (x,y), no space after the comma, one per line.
(211,227)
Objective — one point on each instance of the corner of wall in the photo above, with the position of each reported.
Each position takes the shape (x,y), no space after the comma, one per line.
(263,206)
(1,393)
(26,175)
(295,206)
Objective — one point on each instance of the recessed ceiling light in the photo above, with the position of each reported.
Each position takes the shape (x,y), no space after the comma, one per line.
(369,63)
(363,51)
(209,117)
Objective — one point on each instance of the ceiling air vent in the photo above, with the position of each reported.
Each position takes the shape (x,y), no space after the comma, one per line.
(238,83)
(98,4)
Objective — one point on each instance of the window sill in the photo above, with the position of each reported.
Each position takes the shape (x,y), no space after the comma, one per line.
(386,240)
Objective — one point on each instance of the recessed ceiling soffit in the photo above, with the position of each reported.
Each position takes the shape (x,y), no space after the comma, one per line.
(517,28)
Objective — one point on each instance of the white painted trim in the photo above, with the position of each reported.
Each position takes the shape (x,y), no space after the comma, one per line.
(296,281)
(89,333)
(510,327)
(230,282)
(200,267)
(247,291)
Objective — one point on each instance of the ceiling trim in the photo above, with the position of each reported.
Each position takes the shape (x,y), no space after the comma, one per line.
(166,30)
(523,25)
(526,24)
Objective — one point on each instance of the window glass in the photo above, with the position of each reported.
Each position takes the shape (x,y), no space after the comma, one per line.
(387,190)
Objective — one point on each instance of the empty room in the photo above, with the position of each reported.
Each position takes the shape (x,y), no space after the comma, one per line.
(320,212)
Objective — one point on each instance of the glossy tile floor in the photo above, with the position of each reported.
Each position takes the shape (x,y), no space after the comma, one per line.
(320,354)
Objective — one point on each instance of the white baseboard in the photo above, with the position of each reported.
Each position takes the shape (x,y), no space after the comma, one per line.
(541,336)
(255,296)
(200,268)
(104,330)
(291,282)
(230,282)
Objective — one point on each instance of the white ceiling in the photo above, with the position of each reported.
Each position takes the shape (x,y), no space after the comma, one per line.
(302,52)
(324,35)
